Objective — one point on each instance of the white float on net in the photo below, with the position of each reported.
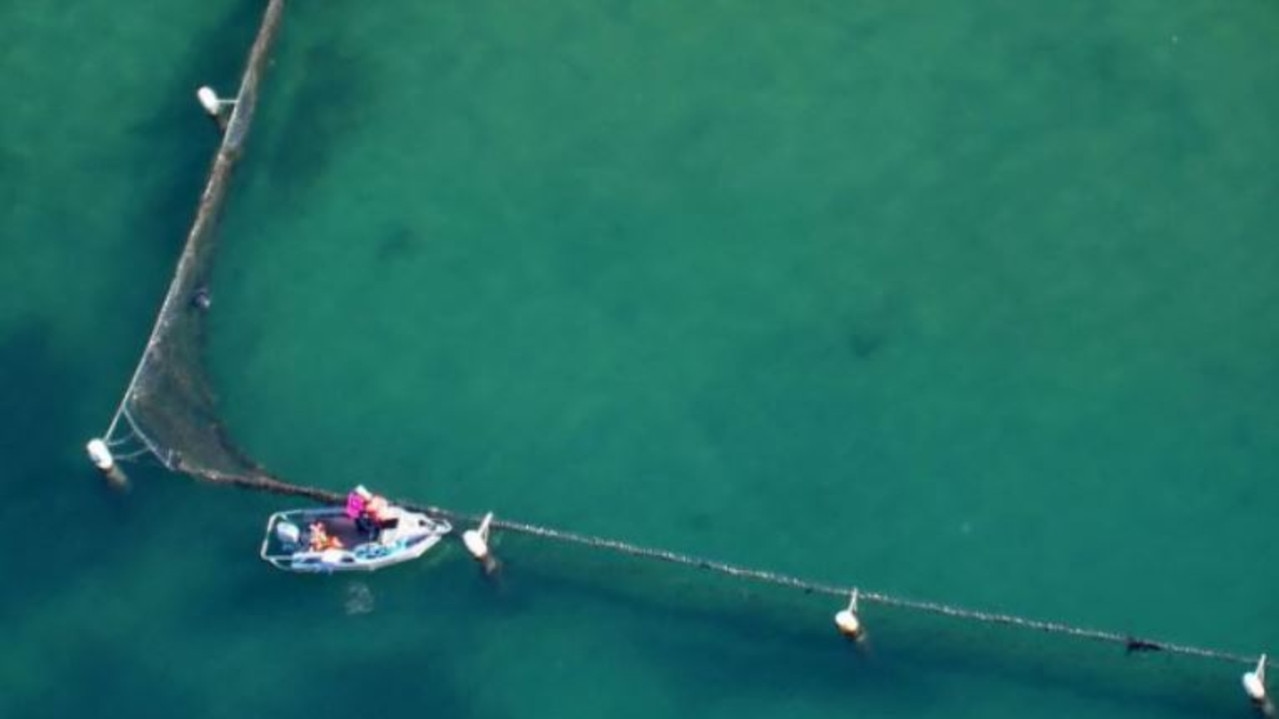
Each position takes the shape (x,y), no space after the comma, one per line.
(1254,683)
(102,458)
(847,620)
(477,543)
(212,104)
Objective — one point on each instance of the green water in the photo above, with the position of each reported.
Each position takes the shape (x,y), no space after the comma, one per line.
(970,303)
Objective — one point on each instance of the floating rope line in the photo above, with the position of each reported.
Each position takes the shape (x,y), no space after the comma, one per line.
(263,482)
(168,409)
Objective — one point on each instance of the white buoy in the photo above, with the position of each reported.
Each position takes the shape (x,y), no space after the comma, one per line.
(477,540)
(209,100)
(847,621)
(477,543)
(1254,683)
(101,457)
(214,105)
(100,454)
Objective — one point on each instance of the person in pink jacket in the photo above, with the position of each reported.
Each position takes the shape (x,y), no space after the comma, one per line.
(357,506)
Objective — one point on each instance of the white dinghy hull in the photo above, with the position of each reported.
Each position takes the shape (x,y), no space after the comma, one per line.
(407,536)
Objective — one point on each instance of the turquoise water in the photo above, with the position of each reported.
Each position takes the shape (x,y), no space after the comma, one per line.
(973,304)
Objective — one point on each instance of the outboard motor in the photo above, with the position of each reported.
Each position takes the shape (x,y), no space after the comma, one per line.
(288,534)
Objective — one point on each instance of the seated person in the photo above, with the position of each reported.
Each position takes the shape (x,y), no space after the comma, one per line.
(321,540)
(357,500)
(380,510)
(357,505)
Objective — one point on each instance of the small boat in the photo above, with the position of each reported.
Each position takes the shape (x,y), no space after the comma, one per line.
(404,535)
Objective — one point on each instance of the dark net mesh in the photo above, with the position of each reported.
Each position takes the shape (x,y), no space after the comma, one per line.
(169,405)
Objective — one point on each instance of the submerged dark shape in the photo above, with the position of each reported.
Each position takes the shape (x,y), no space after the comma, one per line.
(865,343)
(400,243)
(1141,645)
(202,299)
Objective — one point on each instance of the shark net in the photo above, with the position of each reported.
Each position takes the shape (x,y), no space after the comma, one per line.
(169,412)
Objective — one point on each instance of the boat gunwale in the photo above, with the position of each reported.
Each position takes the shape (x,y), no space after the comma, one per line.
(441,528)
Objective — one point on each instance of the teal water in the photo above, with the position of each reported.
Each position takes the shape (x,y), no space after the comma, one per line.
(973,304)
